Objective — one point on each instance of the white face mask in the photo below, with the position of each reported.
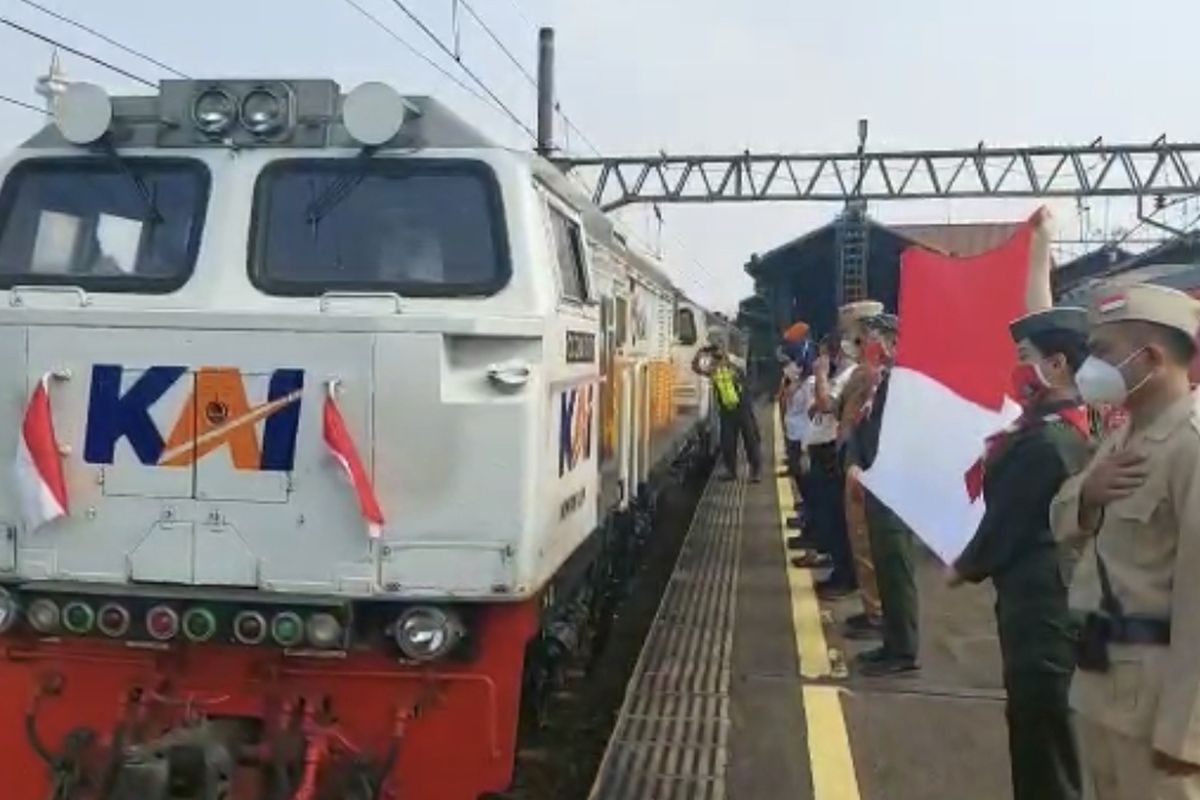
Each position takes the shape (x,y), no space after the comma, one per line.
(1100,382)
(849,349)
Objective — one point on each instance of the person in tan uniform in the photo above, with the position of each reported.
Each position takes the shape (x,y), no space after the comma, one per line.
(858,390)
(1136,508)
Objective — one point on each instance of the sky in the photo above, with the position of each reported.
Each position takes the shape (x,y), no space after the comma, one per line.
(640,76)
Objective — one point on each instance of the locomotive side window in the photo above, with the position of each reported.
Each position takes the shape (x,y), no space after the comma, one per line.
(568,247)
(132,224)
(685,327)
(417,227)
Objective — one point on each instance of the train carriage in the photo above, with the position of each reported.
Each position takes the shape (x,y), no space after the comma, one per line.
(332,420)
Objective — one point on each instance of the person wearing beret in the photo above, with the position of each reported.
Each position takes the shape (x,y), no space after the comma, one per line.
(1023,468)
(1136,509)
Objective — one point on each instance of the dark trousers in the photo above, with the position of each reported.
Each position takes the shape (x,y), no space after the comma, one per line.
(827,519)
(740,423)
(795,455)
(1041,741)
(895,574)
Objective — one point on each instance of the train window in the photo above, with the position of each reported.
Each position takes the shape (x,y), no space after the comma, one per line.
(420,228)
(685,327)
(568,247)
(102,224)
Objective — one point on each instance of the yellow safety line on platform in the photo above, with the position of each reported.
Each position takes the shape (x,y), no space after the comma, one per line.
(832,762)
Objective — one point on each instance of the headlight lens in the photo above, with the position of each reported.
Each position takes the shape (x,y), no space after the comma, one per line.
(9,611)
(43,615)
(287,629)
(214,112)
(263,112)
(426,633)
(324,631)
(78,617)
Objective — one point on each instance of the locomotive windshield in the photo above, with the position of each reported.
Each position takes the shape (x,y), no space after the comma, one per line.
(103,224)
(414,227)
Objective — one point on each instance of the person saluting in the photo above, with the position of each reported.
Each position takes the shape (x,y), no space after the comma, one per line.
(1136,506)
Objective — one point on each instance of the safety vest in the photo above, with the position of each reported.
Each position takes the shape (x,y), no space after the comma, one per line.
(726,386)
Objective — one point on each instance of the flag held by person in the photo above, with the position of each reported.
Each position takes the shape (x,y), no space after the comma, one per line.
(950,387)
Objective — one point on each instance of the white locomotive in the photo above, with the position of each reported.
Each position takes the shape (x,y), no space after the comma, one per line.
(350,405)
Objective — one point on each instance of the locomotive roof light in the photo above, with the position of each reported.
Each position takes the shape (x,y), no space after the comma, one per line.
(162,623)
(83,113)
(267,110)
(249,627)
(214,111)
(426,633)
(373,113)
(287,629)
(78,617)
(9,610)
(113,620)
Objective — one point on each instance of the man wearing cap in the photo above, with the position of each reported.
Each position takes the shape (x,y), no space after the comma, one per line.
(859,387)
(1022,469)
(1137,509)
(736,412)
(890,541)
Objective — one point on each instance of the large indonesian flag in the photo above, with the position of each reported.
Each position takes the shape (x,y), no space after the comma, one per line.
(39,471)
(949,387)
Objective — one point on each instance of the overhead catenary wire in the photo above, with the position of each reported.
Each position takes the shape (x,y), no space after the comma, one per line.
(22,104)
(412,49)
(437,40)
(77,52)
(105,38)
(525,72)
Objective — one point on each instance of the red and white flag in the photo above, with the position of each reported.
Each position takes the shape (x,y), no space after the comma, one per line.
(341,447)
(39,470)
(949,387)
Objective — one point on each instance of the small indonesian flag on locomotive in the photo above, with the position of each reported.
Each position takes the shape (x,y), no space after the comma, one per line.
(39,470)
(341,447)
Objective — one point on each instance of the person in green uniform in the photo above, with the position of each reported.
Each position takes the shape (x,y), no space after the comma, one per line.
(890,540)
(1022,469)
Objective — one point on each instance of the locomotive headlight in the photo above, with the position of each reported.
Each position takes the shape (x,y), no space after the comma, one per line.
(9,610)
(43,615)
(214,112)
(324,631)
(425,633)
(264,111)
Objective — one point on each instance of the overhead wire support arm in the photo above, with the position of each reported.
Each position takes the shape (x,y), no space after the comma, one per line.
(1098,169)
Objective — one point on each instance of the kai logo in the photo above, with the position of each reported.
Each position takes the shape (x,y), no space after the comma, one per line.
(216,415)
(575,428)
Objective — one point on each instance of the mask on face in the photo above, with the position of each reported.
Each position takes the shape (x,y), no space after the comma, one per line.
(1028,383)
(875,353)
(1101,383)
(849,349)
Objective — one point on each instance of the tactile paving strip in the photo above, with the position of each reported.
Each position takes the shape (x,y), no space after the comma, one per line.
(670,741)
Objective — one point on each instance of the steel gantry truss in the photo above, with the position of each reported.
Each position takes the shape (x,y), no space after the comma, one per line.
(1126,170)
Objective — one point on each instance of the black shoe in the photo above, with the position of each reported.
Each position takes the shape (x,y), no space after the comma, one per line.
(888,667)
(861,621)
(756,478)
(800,542)
(874,656)
(795,523)
(830,591)
(811,559)
(863,632)
(727,477)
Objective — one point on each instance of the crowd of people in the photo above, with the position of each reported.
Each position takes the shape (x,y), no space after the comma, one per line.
(1090,535)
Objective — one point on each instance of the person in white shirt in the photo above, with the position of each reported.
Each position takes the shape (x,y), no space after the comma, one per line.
(826,519)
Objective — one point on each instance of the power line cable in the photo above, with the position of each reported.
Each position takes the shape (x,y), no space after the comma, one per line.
(491,34)
(21,104)
(470,73)
(410,48)
(74,51)
(123,47)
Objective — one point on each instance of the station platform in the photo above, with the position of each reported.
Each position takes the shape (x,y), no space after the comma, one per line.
(745,690)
